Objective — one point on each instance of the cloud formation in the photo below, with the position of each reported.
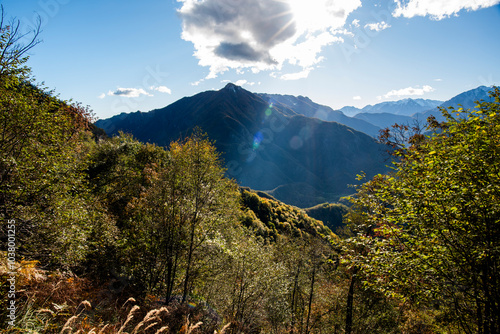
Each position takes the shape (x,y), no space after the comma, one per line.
(438,9)
(161,89)
(240,82)
(135,92)
(378,26)
(261,34)
(129,92)
(409,91)
(298,75)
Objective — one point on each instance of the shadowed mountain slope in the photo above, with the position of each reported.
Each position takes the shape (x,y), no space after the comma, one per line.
(304,106)
(265,147)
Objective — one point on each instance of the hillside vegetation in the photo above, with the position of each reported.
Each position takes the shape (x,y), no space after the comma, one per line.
(113,235)
(265,145)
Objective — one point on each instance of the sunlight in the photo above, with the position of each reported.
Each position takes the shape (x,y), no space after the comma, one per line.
(303,12)
(311,15)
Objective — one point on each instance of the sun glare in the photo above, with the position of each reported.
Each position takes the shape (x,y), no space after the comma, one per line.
(317,15)
(309,15)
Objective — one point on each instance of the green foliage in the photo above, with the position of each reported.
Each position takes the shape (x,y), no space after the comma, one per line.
(273,219)
(170,228)
(331,214)
(186,197)
(117,170)
(429,233)
(42,146)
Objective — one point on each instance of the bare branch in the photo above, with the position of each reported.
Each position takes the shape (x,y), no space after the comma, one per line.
(12,49)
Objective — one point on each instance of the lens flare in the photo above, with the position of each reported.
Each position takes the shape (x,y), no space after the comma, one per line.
(257,140)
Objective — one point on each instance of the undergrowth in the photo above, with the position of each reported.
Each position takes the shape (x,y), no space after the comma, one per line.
(54,302)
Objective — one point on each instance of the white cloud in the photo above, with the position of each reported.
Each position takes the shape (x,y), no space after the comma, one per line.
(439,9)
(196,83)
(240,82)
(342,32)
(355,23)
(261,34)
(102,96)
(296,76)
(357,98)
(409,91)
(244,82)
(161,89)
(128,92)
(378,26)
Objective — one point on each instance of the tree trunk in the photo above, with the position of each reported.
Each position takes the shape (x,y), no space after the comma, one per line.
(294,293)
(349,307)
(311,294)
(189,259)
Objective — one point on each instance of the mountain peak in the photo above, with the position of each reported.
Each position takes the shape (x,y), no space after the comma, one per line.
(231,86)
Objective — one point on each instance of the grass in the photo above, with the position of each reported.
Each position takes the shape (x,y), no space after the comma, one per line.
(53,302)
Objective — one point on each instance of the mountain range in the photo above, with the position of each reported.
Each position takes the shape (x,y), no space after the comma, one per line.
(465,100)
(300,152)
(406,107)
(304,106)
(385,114)
(266,146)
(373,118)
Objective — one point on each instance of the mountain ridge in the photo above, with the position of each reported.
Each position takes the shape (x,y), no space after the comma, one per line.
(279,143)
(466,99)
(405,107)
(305,106)
(393,112)
(265,146)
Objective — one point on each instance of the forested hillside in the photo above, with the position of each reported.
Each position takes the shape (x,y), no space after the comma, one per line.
(113,235)
(265,145)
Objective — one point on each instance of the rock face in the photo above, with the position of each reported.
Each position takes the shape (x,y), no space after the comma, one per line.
(302,160)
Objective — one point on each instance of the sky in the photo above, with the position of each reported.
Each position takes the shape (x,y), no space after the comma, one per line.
(126,55)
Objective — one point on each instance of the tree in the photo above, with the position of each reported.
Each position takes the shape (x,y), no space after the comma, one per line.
(13,50)
(429,233)
(42,143)
(117,169)
(185,201)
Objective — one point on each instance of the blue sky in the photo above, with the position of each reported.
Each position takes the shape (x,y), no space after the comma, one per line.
(123,55)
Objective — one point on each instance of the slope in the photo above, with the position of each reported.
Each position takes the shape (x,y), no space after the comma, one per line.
(265,146)
(304,106)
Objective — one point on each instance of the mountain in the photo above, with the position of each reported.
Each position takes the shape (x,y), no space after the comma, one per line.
(406,111)
(350,111)
(304,106)
(384,120)
(302,160)
(466,100)
(406,107)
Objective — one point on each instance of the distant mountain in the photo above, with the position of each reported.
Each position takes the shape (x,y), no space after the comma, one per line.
(304,106)
(384,120)
(351,111)
(304,160)
(466,100)
(406,111)
(406,107)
